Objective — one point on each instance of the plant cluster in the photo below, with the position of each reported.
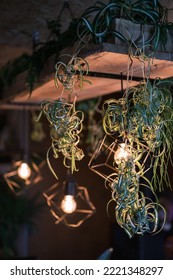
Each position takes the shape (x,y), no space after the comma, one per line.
(142,123)
(65,127)
(71,75)
(34,64)
(98,22)
(144,118)
(135,212)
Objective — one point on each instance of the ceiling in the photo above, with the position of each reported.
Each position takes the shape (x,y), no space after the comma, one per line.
(107,65)
(20,19)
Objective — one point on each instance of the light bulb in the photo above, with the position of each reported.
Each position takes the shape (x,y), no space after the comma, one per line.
(24,171)
(68,204)
(122,153)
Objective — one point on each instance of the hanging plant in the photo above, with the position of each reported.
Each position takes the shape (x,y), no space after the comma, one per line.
(71,75)
(34,64)
(151,122)
(142,123)
(145,118)
(153,118)
(134,212)
(114,119)
(65,127)
(65,122)
(97,22)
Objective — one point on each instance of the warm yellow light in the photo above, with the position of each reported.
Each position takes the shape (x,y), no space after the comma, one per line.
(122,153)
(68,204)
(24,171)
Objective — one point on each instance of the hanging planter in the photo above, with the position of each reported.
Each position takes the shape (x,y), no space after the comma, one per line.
(66,123)
(120,20)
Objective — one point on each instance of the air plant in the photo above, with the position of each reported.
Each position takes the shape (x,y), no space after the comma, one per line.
(134,211)
(65,127)
(145,118)
(71,75)
(142,122)
(66,122)
(151,121)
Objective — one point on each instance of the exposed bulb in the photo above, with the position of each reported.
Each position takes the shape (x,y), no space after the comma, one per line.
(24,171)
(68,204)
(122,153)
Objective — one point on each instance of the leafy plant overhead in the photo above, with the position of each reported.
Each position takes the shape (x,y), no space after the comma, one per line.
(98,21)
(99,28)
(34,64)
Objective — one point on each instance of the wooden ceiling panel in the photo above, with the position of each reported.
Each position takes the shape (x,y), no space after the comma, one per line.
(106,62)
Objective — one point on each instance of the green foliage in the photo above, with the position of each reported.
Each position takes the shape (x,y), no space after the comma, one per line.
(71,75)
(98,22)
(135,212)
(98,29)
(12,69)
(65,127)
(142,123)
(144,119)
(34,64)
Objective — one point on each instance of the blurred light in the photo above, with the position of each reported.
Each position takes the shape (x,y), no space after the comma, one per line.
(122,153)
(24,171)
(68,204)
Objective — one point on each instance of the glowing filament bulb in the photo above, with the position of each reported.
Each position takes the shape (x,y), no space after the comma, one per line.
(24,171)
(68,204)
(122,153)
